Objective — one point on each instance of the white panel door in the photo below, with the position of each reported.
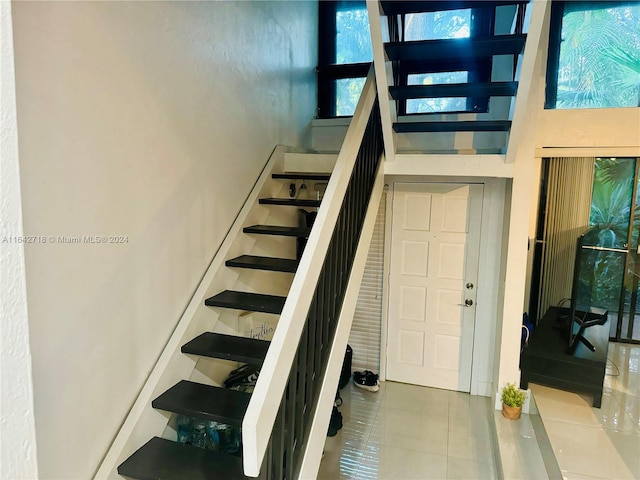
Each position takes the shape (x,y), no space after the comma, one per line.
(435,242)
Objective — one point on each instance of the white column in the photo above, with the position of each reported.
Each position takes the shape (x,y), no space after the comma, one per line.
(521,153)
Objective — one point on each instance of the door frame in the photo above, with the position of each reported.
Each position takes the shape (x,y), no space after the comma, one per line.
(486,340)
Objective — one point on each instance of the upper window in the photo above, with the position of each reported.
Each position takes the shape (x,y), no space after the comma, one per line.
(594,55)
(432,105)
(353,41)
(345,55)
(436,25)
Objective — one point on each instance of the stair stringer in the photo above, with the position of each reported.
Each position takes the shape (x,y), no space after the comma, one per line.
(379,32)
(320,423)
(531,68)
(143,421)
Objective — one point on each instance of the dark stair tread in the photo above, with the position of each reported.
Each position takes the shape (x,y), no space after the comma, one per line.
(255,302)
(204,401)
(397,7)
(466,126)
(446,90)
(264,263)
(228,347)
(300,232)
(456,48)
(302,176)
(161,459)
(292,202)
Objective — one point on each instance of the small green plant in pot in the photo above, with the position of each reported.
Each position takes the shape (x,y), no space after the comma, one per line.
(512,400)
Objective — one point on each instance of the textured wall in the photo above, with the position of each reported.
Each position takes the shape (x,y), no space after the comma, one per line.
(17,432)
(148,121)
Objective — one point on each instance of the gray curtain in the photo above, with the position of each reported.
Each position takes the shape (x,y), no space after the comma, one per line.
(569,192)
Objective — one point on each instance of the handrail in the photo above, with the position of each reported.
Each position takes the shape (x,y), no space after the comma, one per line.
(271,387)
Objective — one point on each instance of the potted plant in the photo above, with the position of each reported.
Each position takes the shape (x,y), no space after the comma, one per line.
(512,400)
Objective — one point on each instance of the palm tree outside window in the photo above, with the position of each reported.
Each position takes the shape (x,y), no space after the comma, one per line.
(594,55)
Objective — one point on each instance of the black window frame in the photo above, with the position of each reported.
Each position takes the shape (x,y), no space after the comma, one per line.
(328,70)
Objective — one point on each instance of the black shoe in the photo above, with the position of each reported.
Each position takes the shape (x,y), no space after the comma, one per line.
(335,423)
(366,380)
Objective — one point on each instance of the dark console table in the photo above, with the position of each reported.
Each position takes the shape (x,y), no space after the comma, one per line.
(547,360)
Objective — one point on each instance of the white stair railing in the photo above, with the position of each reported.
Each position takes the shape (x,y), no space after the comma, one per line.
(267,398)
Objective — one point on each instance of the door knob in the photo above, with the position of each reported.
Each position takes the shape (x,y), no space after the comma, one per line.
(467,303)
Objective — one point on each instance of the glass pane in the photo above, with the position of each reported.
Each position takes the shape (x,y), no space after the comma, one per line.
(599,63)
(636,219)
(348,92)
(353,40)
(434,105)
(436,25)
(611,216)
(611,200)
(429,105)
(601,280)
(630,319)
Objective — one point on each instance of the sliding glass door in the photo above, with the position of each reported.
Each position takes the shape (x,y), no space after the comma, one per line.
(628,324)
(616,218)
(605,200)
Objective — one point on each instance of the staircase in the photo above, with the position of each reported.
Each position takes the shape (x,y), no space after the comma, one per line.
(164,459)
(423,68)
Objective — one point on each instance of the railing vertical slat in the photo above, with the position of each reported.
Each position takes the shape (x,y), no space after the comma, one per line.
(302,385)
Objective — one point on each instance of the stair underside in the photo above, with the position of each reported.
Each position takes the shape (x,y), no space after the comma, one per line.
(204,401)
(264,263)
(161,459)
(397,7)
(468,126)
(300,232)
(480,89)
(228,347)
(302,176)
(291,202)
(456,48)
(254,302)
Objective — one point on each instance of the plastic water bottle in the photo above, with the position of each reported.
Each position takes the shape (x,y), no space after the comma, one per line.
(199,435)
(213,436)
(233,440)
(184,429)
(222,435)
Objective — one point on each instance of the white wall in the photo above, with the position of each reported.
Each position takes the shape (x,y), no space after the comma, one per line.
(149,120)
(17,423)
(598,128)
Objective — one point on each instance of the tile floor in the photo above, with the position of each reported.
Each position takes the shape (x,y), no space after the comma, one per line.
(597,443)
(409,432)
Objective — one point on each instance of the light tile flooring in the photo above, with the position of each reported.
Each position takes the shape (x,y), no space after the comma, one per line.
(404,431)
(409,432)
(597,443)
